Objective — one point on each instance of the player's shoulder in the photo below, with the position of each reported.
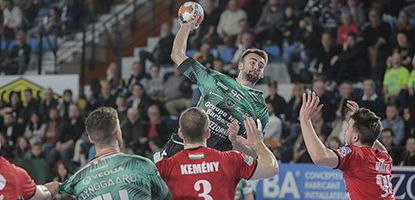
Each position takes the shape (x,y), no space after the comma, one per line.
(138,159)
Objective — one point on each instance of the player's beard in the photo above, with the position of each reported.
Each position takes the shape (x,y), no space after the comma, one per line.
(252,76)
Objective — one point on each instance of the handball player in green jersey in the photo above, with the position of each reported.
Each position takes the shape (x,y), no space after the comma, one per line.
(224,98)
(112,174)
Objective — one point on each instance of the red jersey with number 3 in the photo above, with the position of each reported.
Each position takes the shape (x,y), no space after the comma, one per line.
(15,183)
(205,173)
(367,172)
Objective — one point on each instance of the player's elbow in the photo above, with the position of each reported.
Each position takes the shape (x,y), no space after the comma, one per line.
(177,57)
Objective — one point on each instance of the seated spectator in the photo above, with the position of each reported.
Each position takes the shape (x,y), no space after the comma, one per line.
(408,158)
(204,56)
(274,130)
(161,53)
(244,27)
(22,150)
(396,77)
(62,172)
(53,23)
(11,128)
(12,19)
(356,10)
(328,109)
(386,137)
(106,97)
(53,131)
(6,150)
(403,25)
(351,64)
(404,47)
(340,126)
(138,75)
(64,103)
(371,100)
(207,30)
(376,37)
(290,25)
(36,151)
(15,107)
(47,102)
(121,107)
(330,12)
(218,66)
(409,122)
(278,102)
(155,84)
(139,99)
(345,94)
(267,27)
(394,122)
(348,26)
(34,129)
(133,132)
(18,59)
(177,93)
(228,26)
(156,129)
(326,52)
(32,104)
(293,110)
(247,41)
(114,79)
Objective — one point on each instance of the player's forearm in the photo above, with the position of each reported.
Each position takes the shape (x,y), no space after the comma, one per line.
(178,53)
(267,163)
(379,146)
(318,152)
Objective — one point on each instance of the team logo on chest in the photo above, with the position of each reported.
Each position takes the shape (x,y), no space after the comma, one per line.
(230,102)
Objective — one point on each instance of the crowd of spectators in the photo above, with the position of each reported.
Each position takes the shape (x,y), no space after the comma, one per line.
(342,50)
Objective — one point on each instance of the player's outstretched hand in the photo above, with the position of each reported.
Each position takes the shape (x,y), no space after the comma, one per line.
(310,105)
(239,143)
(253,132)
(192,23)
(53,187)
(352,105)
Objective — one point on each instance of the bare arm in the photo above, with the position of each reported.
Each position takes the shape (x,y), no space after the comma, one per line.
(178,52)
(267,164)
(319,153)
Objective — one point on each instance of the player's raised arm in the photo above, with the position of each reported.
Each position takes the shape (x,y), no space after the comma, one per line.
(178,52)
(267,163)
(319,153)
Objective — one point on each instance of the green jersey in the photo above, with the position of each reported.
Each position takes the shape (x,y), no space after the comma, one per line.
(224,100)
(117,176)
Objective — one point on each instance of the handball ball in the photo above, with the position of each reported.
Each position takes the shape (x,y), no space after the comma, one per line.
(189,11)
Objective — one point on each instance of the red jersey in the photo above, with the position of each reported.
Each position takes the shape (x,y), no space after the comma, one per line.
(205,173)
(366,171)
(15,183)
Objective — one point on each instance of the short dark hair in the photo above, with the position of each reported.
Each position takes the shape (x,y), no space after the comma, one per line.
(259,52)
(388,130)
(100,125)
(67,91)
(367,124)
(194,122)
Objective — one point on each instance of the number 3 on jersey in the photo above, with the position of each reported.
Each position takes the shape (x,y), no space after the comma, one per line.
(384,181)
(107,196)
(204,187)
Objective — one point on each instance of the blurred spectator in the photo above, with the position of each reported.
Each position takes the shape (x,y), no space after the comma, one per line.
(330,14)
(376,36)
(347,26)
(12,19)
(274,128)
(138,75)
(355,8)
(228,26)
(121,107)
(34,129)
(32,104)
(328,109)
(18,58)
(340,126)
(278,102)
(334,143)
(156,129)
(12,129)
(177,93)
(218,66)
(396,77)
(117,84)
(345,94)
(204,56)
(404,47)
(267,27)
(403,25)
(6,150)
(36,151)
(62,172)
(14,106)
(293,110)
(326,52)
(244,27)
(247,41)
(387,140)
(53,132)
(371,100)
(289,25)
(52,25)
(351,64)
(155,84)
(106,97)
(68,16)
(133,132)
(48,102)
(139,99)
(22,150)
(408,158)
(207,30)
(64,103)
(161,53)
(394,122)
(409,122)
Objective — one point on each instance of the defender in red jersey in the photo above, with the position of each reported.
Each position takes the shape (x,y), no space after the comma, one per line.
(15,183)
(199,172)
(365,162)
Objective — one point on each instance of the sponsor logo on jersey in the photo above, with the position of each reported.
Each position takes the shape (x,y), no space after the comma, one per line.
(343,151)
(230,102)
(249,160)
